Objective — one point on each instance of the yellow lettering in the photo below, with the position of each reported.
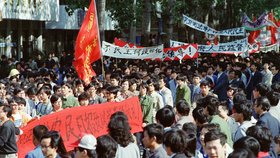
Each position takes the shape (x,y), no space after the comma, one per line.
(82,40)
(90,23)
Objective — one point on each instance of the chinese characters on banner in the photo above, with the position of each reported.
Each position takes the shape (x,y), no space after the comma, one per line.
(240,31)
(132,53)
(188,51)
(73,122)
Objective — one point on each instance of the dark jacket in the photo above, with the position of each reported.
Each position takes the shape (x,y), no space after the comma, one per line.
(221,86)
(8,143)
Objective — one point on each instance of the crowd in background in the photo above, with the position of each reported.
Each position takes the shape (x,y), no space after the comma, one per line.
(223,106)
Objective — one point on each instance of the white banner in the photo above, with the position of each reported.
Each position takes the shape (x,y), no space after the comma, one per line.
(42,10)
(274,47)
(240,31)
(111,50)
(230,47)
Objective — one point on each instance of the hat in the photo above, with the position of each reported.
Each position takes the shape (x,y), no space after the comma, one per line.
(13,72)
(88,141)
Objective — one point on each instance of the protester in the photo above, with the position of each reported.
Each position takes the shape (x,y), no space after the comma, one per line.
(52,145)
(56,103)
(85,147)
(106,147)
(215,142)
(8,131)
(152,139)
(68,98)
(182,113)
(83,99)
(38,132)
(182,90)
(242,114)
(44,107)
(119,129)
(147,103)
(175,142)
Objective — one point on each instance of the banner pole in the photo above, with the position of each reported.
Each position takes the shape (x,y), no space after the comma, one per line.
(101,55)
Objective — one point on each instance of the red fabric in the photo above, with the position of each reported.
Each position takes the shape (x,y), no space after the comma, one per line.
(253,34)
(73,122)
(87,48)
(273,30)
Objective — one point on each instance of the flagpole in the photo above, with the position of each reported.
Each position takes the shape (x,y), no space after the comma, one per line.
(99,43)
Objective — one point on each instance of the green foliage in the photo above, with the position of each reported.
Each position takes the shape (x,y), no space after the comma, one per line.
(228,13)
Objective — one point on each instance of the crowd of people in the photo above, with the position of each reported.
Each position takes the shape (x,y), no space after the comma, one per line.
(223,106)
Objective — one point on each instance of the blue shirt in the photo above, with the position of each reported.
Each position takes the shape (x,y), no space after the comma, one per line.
(36,153)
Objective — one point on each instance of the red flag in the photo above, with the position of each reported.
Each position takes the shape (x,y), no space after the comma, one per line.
(87,48)
(253,34)
(272,29)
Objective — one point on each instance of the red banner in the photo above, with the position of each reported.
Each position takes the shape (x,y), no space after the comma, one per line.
(72,122)
(87,48)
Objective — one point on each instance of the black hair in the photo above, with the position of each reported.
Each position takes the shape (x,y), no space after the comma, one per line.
(215,135)
(91,153)
(183,108)
(191,141)
(106,147)
(181,77)
(83,96)
(8,109)
(190,128)
(67,85)
(176,140)
(17,90)
(242,153)
(56,142)
(31,90)
(239,97)
(247,142)
(273,98)
(155,130)
(244,108)
(78,82)
(113,89)
(222,65)
(54,98)
(276,87)
(199,116)
(211,105)
(20,100)
(263,102)
(55,88)
(262,134)
(165,116)
(119,129)
(39,131)
(115,76)
(44,89)
(262,89)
